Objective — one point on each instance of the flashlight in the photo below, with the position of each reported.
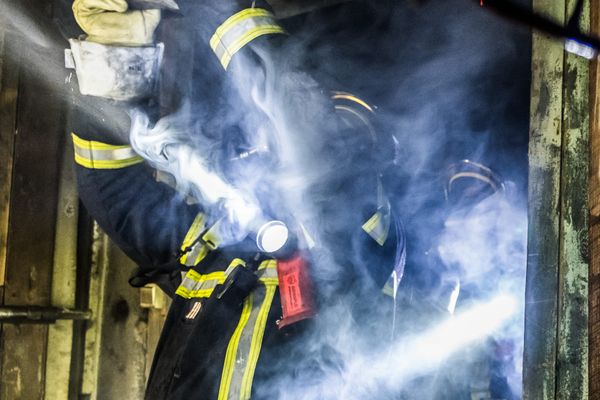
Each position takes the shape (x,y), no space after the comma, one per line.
(272,236)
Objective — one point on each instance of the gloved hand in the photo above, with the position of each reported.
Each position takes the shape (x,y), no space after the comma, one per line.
(111,22)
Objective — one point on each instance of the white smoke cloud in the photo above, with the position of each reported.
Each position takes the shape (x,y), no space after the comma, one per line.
(436,112)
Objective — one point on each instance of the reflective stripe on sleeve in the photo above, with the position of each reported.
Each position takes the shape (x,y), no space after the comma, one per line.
(239,30)
(98,155)
(246,342)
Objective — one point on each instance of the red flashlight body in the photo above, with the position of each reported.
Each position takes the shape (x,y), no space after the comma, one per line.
(296,290)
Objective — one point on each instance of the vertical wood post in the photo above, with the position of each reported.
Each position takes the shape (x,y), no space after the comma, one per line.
(594,200)
(9,78)
(556,326)
(572,347)
(545,139)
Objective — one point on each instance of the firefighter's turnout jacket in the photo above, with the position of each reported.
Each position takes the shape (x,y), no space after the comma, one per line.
(214,340)
(220,340)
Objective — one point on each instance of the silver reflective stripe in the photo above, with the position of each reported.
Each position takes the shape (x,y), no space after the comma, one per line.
(246,342)
(195,285)
(98,155)
(378,226)
(475,175)
(268,271)
(239,30)
(105,155)
(227,43)
(195,254)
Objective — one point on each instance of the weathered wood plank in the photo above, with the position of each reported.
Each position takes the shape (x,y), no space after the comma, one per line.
(594,199)
(93,334)
(60,335)
(9,78)
(31,234)
(539,377)
(122,361)
(572,349)
(157,305)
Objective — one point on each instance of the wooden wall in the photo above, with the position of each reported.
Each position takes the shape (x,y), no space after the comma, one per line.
(594,199)
(556,326)
(38,205)
(50,252)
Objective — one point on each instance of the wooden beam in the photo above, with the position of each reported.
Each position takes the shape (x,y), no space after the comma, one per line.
(594,204)
(539,376)
(572,347)
(60,334)
(97,293)
(9,80)
(40,128)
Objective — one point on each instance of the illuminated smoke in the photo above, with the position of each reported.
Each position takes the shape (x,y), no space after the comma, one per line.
(165,147)
(485,246)
(14,18)
(431,77)
(436,99)
(381,372)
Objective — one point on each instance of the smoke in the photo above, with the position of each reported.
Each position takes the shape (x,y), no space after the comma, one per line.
(14,18)
(381,371)
(450,83)
(485,246)
(438,73)
(168,148)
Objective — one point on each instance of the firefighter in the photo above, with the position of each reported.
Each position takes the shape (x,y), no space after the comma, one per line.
(221,338)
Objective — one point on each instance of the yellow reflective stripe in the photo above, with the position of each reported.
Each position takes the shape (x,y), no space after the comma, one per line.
(199,285)
(194,252)
(230,356)
(249,36)
(256,345)
(267,273)
(234,20)
(351,97)
(236,262)
(194,231)
(239,30)
(388,290)
(107,164)
(96,145)
(244,349)
(377,227)
(213,276)
(475,175)
(194,294)
(97,155)
(211,237)
(267,264)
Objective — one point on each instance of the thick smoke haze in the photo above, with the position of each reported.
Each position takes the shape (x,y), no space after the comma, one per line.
(449,82)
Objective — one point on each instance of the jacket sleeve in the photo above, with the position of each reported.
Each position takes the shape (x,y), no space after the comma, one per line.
(148,220)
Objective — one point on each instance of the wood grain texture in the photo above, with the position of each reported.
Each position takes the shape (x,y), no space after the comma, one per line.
(9,80)
(594,203)
(60,334)
(30,243)
(572,348)
(539,369)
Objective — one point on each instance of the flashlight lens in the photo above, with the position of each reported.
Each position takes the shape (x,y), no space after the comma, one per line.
(272,236)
